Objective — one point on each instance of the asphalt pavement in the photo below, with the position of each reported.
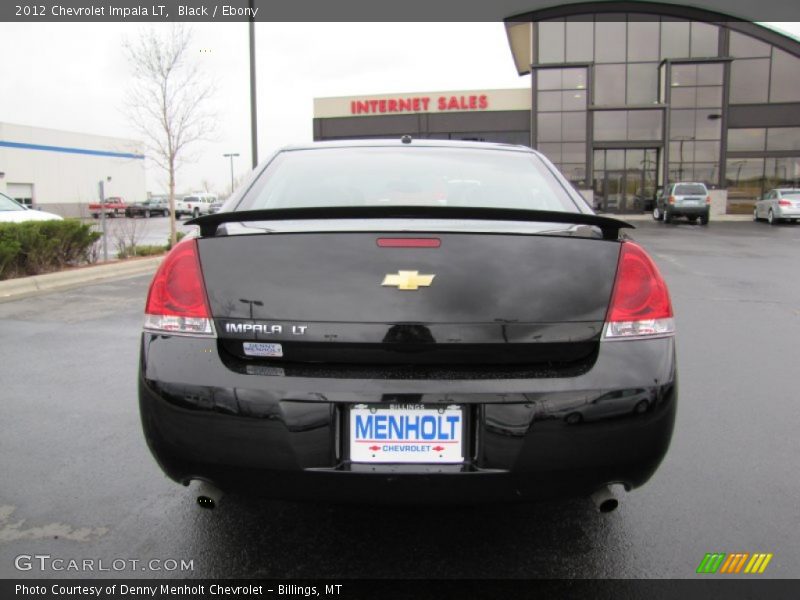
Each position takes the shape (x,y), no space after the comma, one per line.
(79,483)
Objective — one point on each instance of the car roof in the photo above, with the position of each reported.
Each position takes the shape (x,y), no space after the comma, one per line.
(415,142)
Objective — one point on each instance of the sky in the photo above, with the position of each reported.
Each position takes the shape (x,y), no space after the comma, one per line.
(75,77)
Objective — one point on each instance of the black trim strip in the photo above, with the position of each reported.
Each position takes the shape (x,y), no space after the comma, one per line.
(609,226)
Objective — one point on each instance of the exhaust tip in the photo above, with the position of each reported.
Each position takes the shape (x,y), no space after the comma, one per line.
(207,494)
(604,500)
(608,506)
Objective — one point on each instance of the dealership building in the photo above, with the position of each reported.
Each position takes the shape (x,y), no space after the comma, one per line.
(626,98)
(59,171)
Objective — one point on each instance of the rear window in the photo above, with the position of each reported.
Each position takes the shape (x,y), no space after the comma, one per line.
(690,189)
(421,176)
(790,194)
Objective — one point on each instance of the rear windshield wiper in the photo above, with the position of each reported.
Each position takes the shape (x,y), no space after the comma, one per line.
(609,226)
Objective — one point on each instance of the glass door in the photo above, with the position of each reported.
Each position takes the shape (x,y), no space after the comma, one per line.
(625,180)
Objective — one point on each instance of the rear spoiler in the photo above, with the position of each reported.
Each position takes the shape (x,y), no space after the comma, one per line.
(609,226)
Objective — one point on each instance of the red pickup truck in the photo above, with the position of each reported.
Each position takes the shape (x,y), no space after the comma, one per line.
(113,207)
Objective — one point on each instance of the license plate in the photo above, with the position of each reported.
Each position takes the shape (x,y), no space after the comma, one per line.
(408,434)
(260,349)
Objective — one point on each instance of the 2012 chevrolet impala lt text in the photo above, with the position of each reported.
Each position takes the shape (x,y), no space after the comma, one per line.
(408,321)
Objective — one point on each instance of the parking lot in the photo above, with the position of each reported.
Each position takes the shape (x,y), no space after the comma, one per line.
(79,482)
(140,230)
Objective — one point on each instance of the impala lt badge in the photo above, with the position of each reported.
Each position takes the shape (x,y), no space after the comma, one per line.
(265,328)
(408,280)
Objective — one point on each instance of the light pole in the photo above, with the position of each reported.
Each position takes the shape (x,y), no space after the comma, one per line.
(231,155)
(253,110)
(101,190)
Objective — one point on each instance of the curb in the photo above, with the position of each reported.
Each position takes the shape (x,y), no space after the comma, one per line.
(51,282)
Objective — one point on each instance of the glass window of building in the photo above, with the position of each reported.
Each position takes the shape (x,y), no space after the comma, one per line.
(548,127)
(610,125)
(573,153)
(644,125)
(695,122)
(706,151)
(551,151)
(705,172)
(561,119)
(643,33)
(625,180)
(573,126)
(707,124)
(573,100)
(609,85)
(782,172)
(551,41)
(674,38)
(783,138)
(681,123)
(548,79)
(573,79)
(548,101)
(642,83)
(744,178)
(627,125)
(744,46)
(784,82)
(683,97)
(615,159)
(709,96)
(704,40)
(683,75)
(557,101)
(749,81)
(610,35)
(580,40)
(747,140)
(709,73)
(681,152)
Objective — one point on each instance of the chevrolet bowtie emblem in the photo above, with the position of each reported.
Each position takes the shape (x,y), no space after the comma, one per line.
(408,280)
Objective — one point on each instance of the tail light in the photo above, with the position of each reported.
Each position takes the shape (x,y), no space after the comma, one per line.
(640,304)
(176,302)
(671,200)
(784,203)
(708,200)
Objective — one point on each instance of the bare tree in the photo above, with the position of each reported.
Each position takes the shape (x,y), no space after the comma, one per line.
(168,101)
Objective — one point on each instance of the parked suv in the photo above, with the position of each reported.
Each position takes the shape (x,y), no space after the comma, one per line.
(683,199)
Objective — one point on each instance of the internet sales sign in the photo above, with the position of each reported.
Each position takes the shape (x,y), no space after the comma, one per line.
(419,104)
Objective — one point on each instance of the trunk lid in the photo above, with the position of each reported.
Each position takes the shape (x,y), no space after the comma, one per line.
(336,296)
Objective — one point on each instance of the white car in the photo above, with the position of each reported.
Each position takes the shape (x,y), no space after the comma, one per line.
(12,211)
(781,204)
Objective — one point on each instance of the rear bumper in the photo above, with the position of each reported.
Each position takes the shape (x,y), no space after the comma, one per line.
(285,437)
(787,213)
(688,211)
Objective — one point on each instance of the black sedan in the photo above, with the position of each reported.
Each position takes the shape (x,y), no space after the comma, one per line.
(148,208)
(407,321)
